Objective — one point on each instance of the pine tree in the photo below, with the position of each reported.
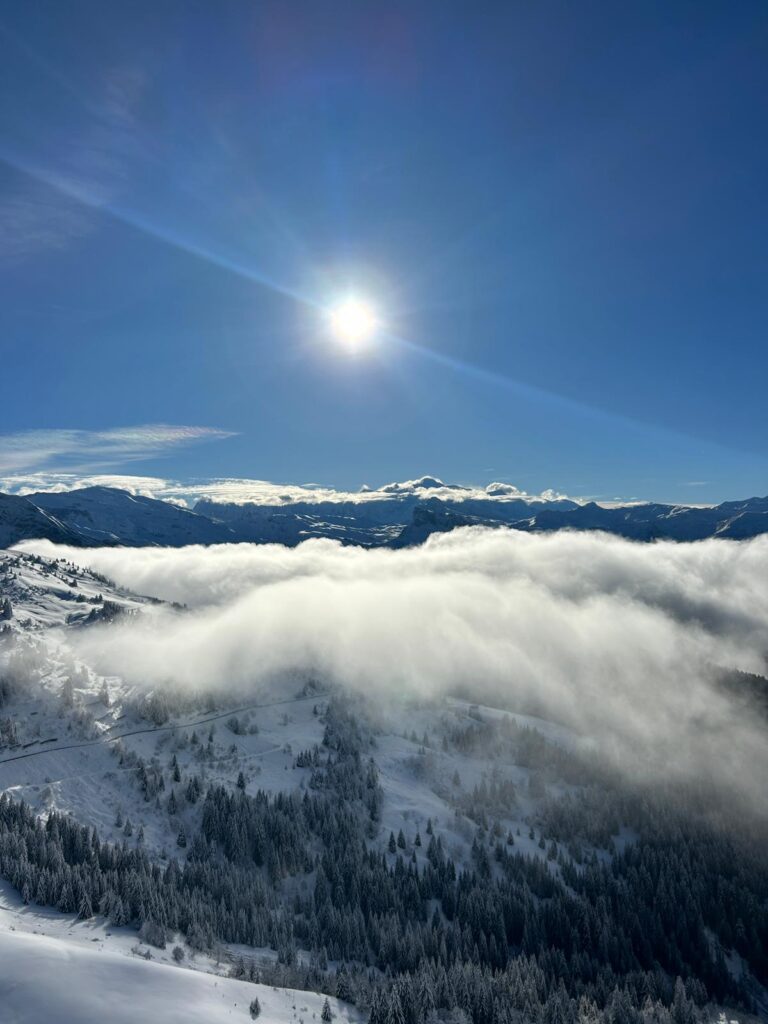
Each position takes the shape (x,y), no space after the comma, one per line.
(376,1015)
(394,1014)
(682,1010)
(343,988)
(327,1014)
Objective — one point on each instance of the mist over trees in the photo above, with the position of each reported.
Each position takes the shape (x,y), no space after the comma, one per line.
(629,644)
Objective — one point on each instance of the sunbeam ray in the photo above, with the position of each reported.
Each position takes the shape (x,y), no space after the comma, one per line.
(158,232)
(531,391)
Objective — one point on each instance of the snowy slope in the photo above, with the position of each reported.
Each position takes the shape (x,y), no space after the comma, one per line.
(47,592)
(51,979)
(105,515)
(63,756)
(20,519)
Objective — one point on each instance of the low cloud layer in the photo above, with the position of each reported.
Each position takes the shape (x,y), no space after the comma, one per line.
(623,641)
(240,491)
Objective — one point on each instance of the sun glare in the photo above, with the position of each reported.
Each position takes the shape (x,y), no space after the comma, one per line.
(353,322)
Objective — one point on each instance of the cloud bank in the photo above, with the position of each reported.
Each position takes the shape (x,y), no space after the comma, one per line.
(624,642)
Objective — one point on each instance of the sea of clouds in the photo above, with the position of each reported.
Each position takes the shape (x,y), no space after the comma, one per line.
(625,642)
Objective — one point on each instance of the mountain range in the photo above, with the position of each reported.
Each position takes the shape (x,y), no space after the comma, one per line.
(398,515)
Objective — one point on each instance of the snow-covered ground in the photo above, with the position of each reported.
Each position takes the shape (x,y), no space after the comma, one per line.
(47,979)
(56,968)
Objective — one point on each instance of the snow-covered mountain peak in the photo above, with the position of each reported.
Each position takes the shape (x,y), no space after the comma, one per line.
(107,515)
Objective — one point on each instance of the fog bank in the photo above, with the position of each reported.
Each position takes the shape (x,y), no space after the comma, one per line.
(622,640)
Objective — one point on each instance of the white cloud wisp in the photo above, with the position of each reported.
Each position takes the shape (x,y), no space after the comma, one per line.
(25,455)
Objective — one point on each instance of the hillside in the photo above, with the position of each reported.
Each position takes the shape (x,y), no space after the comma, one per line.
(106,515)
(21,519)
(91,976)
(433,852)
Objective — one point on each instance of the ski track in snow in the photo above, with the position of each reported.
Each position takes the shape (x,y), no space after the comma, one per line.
(157,730)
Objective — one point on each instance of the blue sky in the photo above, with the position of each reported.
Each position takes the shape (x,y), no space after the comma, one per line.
(559,211)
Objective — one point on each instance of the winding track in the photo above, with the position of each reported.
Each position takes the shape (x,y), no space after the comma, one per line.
(156,730)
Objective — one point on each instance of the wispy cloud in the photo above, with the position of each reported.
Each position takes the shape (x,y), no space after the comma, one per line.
(36,218)
(55,202)
(45,455)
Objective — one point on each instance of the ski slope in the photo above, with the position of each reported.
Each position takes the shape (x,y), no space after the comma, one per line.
(91,986)
(95,973)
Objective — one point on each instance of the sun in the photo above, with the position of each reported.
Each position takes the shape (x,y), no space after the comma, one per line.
(353,321)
